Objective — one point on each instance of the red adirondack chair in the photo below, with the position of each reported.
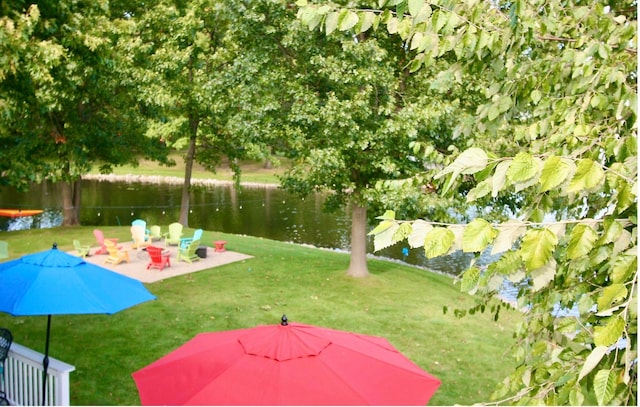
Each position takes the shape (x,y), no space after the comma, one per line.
(158,258)
(100,239)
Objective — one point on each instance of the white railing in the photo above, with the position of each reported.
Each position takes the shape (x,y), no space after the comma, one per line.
(23,378)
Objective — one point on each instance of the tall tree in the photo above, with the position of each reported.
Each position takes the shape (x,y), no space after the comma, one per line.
(185,56)
(343,109)
(64,105)
(562,87)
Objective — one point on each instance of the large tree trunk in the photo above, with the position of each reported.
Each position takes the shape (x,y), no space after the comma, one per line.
(186,186)
(358,262)
(71,199)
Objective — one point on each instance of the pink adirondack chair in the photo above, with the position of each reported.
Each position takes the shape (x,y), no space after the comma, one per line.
(100,239)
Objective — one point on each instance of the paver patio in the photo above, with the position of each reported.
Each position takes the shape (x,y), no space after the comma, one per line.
(137,266)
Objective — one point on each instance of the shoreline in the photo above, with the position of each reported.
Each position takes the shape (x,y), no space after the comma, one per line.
(159,179)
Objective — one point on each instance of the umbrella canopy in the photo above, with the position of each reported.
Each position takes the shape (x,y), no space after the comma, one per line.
(286,364)
(53,282)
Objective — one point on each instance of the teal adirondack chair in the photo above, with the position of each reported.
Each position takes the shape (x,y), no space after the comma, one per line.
(188,253)
(185,241)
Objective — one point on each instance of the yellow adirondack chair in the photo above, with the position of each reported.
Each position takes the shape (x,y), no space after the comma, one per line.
(174,235)
(188,253)
(116,256)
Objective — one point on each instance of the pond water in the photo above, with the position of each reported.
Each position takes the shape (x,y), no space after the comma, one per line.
(260,211)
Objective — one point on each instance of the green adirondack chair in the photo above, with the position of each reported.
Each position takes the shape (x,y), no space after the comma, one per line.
(174,234)
(82,249)
(188,253)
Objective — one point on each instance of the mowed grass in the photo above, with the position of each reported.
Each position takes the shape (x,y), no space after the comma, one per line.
(404,304)
(251,170)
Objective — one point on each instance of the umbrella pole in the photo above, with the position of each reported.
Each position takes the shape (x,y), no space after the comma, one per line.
(45,363)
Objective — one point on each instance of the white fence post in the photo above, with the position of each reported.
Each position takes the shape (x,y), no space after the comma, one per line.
(23,378)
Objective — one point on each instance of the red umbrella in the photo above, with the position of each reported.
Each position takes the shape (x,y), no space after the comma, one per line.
(286,364)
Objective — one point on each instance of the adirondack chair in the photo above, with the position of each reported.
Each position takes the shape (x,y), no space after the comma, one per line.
(138,237)
(116,256)
(158,258)
(101,239)
(83,250)
(188,253)
(185,241)
(4,249)
(174,234)
(155,233)
(143,224)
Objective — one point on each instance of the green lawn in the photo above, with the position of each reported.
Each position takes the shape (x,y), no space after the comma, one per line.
(252,171)
(403,304)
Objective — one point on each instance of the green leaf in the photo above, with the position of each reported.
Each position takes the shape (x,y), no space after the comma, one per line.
(419,231)
(554,172)
(458,232)
(508,233)
(623,266)
(535,95)
(477,235)
(537,247)
(423,15)
(612,230)
(392,25)
(604,386)
(480,190)
(576,397)
(415,6)
(499,178)
(348,20)
(581,241)
(382,226)
(416,40)
(611,295)
(610,332)
(387,215)
(588,176)
(403,232)
(592,360)
(366,21)
(441,19)
(469,162)
(504,103)
(542,276)
(384,238)
(438,242)
(470,280)
(523,167)
(494,112)
(331,23)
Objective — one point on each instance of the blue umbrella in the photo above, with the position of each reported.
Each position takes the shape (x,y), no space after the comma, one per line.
(53,282)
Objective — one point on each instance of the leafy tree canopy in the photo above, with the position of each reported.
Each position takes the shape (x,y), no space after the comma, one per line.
(556,129)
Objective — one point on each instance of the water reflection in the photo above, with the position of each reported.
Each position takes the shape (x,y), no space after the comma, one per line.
(255,211)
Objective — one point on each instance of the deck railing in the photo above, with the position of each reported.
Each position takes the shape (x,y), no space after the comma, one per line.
(23,378)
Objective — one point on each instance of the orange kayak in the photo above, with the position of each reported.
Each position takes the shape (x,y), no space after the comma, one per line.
(15,213)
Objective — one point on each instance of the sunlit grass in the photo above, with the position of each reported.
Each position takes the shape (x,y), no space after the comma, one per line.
(402,303)
(252,171)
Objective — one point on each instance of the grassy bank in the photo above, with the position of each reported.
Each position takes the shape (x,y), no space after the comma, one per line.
(252,171)
(401,303)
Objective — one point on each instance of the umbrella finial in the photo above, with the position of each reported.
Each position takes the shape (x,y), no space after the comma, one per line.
(284,321)
(55,246)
